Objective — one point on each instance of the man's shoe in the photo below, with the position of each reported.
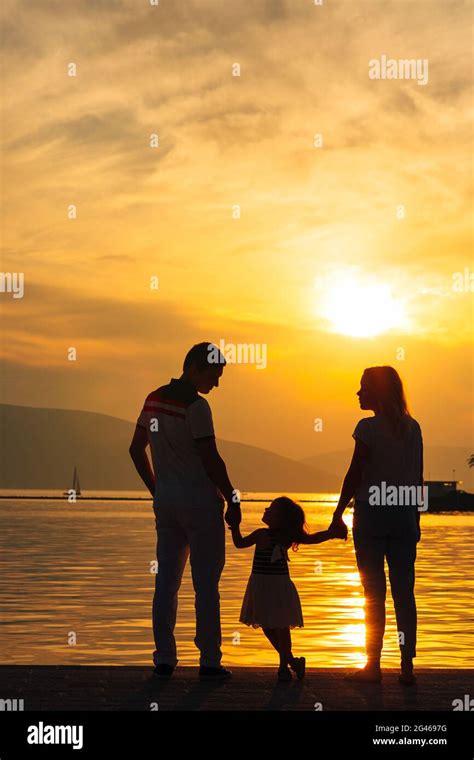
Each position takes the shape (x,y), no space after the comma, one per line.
(163,670)
(214,674)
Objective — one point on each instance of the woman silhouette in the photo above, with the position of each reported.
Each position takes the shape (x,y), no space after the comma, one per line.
(385,477)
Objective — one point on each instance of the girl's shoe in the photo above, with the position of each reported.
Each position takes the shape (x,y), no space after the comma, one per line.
(284,674)
(298,665)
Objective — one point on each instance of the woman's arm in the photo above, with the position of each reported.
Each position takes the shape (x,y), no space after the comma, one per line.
(243,542)
(425,506)
(352,478)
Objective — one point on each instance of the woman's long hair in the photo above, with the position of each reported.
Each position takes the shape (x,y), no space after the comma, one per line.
(386,388)
(292,522)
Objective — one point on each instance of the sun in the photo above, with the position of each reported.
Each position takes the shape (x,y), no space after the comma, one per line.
(362,309)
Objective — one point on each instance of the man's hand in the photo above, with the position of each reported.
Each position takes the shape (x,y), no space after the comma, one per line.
(338,528)
(233,515)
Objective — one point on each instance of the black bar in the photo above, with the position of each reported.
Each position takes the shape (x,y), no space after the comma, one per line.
(139,735)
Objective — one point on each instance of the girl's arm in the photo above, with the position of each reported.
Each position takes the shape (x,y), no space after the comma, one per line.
(318,538)
(243,542)
(352,479)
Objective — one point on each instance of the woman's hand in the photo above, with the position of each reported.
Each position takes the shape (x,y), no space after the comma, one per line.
(338,528)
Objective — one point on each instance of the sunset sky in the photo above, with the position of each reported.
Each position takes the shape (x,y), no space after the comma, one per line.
(320,237)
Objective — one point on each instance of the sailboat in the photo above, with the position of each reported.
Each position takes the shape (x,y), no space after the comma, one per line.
(76,486)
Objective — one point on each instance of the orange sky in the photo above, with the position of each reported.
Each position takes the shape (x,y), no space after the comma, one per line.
(310,217)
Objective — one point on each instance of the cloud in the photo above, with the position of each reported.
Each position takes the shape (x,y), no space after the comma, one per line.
(224,140)
(58,313)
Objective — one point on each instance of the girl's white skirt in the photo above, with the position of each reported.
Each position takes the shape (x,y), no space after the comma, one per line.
(271,601)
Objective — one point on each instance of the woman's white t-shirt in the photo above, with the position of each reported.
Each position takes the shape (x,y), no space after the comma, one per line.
(393,459)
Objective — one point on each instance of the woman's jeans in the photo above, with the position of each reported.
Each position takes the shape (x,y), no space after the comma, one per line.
(391,535)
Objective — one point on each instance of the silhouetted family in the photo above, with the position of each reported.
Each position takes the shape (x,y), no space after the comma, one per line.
(193,498)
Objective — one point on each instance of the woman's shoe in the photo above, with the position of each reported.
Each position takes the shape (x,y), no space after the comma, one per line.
(284,674)
(163,671)
(368,674)
(298,665)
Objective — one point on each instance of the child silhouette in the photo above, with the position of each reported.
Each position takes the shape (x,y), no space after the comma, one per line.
(271,601)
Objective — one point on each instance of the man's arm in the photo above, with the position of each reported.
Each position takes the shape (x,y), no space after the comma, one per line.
(216,470)
(140,458)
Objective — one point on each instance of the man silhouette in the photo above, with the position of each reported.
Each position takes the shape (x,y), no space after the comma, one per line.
(189,483)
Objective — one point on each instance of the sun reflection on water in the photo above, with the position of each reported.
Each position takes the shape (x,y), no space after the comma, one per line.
(93,563)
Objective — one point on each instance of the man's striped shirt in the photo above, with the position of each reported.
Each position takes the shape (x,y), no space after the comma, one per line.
(176,416)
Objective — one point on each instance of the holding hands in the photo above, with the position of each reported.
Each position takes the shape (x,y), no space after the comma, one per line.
(233,515)
(338,528)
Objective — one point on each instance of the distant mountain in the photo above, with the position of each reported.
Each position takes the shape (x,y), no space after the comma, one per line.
(440,461)
(42,446)
(261,470)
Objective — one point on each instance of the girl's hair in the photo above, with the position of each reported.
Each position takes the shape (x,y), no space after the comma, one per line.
(386,387)
(292,523)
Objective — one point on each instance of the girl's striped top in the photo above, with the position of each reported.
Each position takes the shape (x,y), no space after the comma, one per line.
(272,560)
